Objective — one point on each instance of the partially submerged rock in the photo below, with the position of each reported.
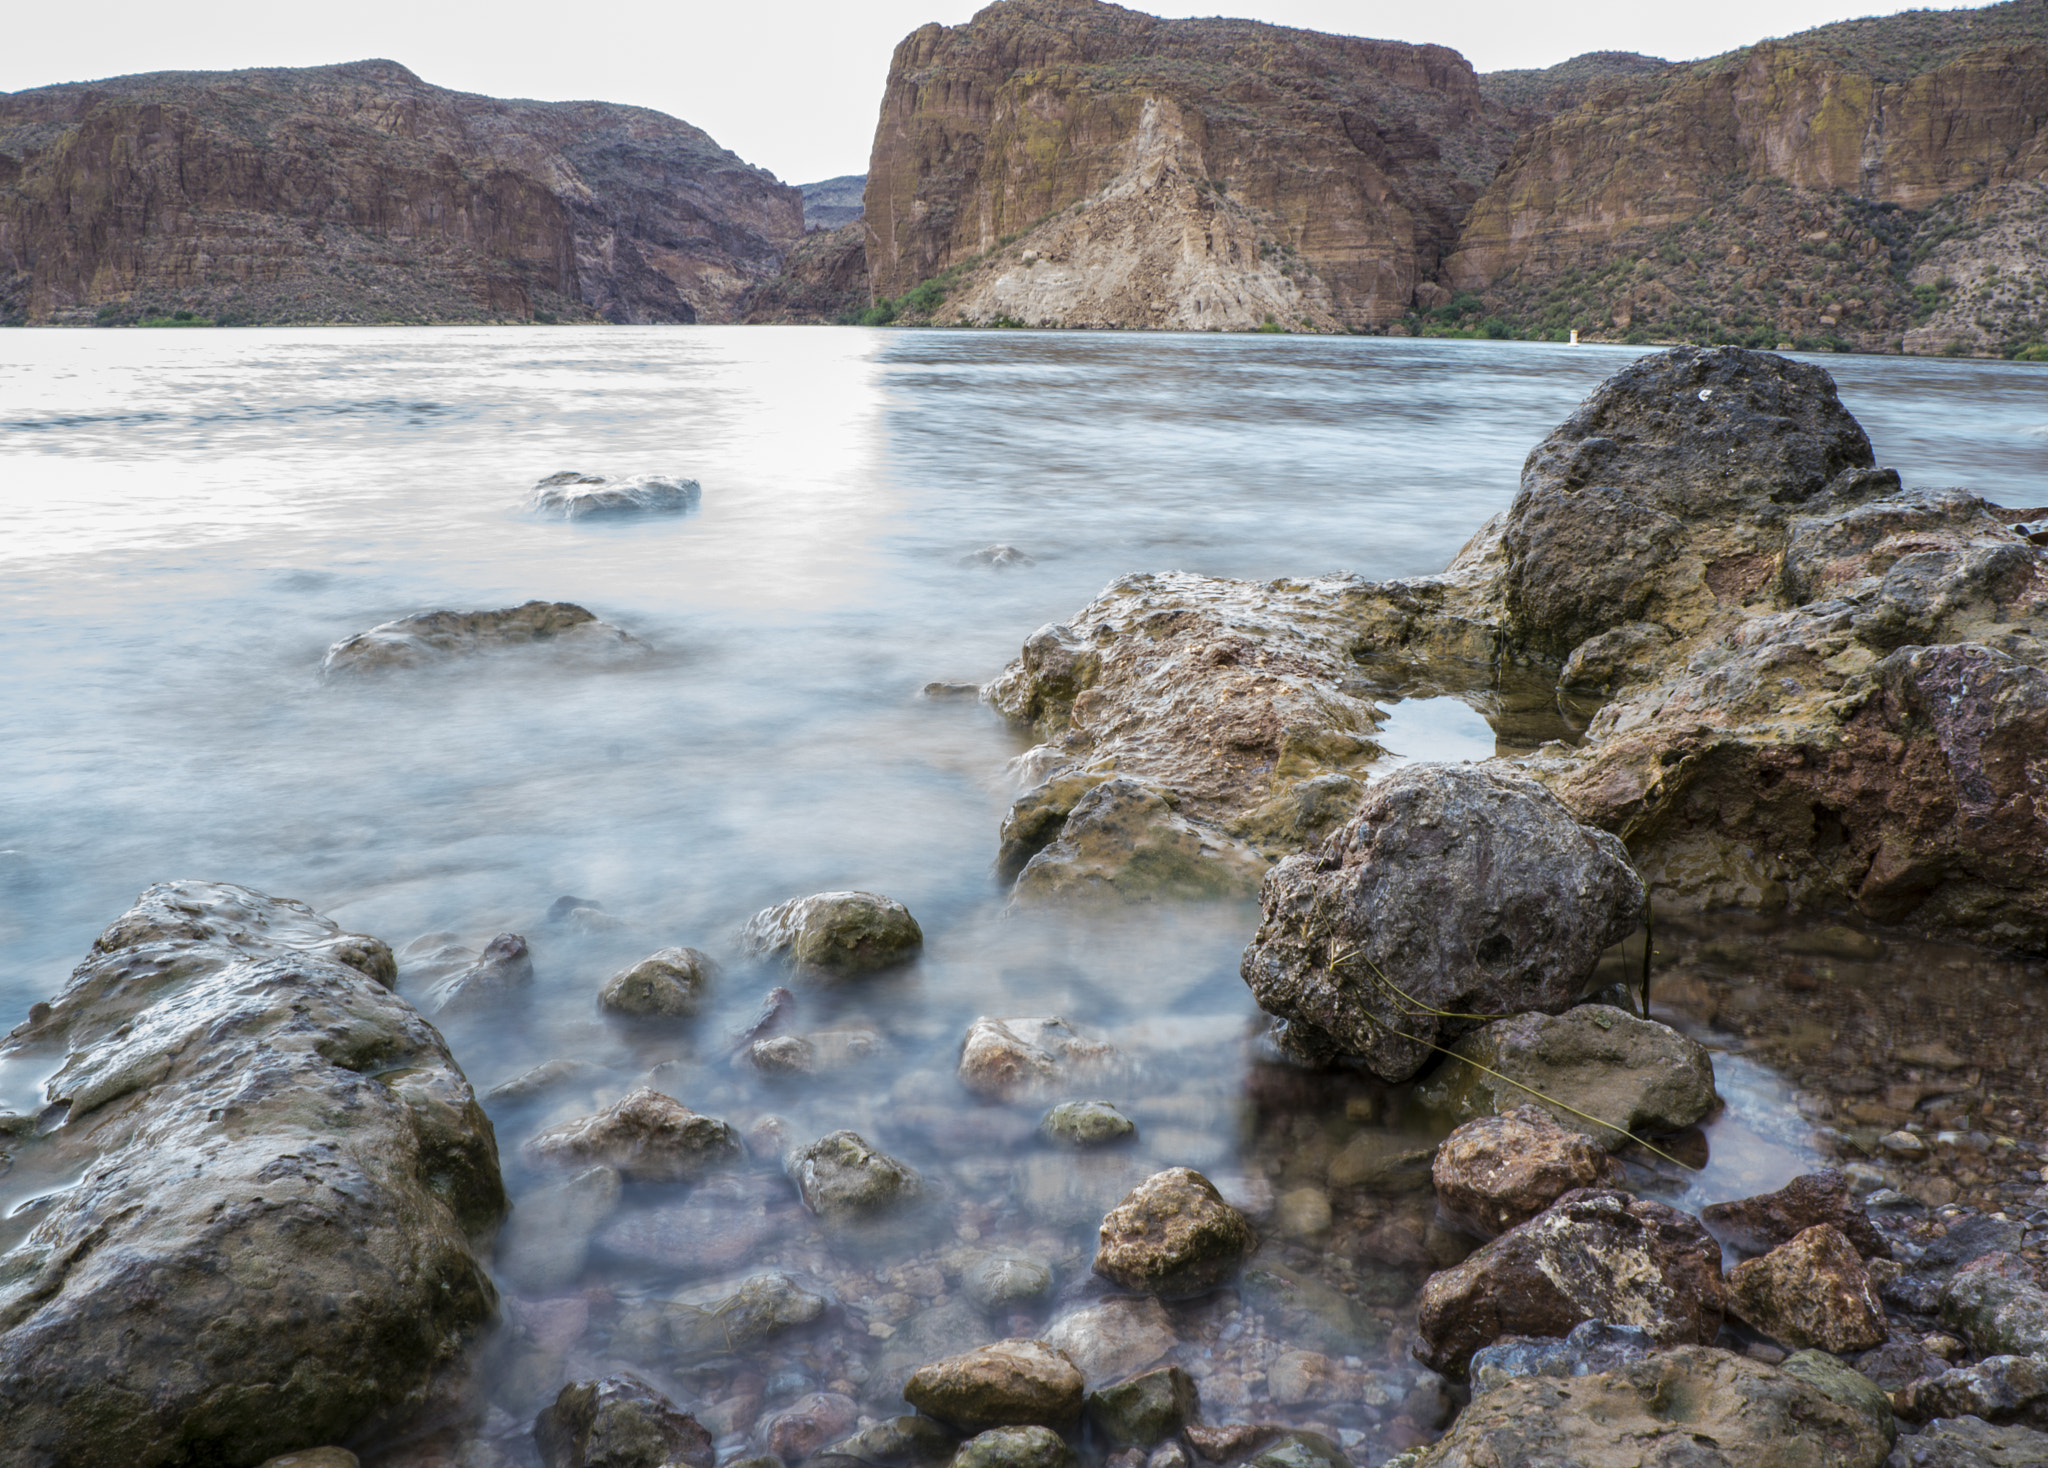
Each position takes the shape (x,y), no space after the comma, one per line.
(670,983)
(647,1136)
(836,932)
(1015,1447)
(258,1129)
(1125,841)
(1495,1172)
(1595,1069)
(427,638)
(806,1425)
(719,1320)
(1006,1281)
(620,1422)
(1142,1410)
(499,976)
(1086,1124)
(1811,1291)
(842,1179)
(1014,1383)
(1122,1335)
(1592,1346)
(574,496)
(1017,1059)
(1455,890)
(1173,1236)
(1758,1225)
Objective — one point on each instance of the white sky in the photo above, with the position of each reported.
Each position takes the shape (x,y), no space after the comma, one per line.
(793,86)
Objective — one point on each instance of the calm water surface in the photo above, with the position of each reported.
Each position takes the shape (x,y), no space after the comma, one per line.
(188,520)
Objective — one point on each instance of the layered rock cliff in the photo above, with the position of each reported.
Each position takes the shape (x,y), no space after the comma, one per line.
(360,193)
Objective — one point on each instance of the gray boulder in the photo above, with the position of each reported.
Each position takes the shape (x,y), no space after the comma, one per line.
(836,932)
(427,638)
(668,984)
(1997,1389)
(620,1422)
(278,1181)
(1124,841)
(1456,891)
(1967,1442)
(1086,1124)
(574,496)
(1996,1304)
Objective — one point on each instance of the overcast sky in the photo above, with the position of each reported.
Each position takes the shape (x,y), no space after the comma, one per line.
(792,86)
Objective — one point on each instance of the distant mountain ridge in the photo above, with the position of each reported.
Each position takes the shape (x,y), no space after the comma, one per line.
(360,193)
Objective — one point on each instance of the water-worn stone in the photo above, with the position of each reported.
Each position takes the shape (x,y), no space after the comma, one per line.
(893,1442)
(647,1136)
(715,1321)
(427,638)
(545,1243)
(1310,1312)
(669,984)
(574,496)
(1996,1303)
(1015,1447)
(1595,1254)
(1497,1171)
(1114,1339)
(253,1127)
(538,1080)
(1142,1410)
(1690,1405)
(1230,1442)
(1997,1389)
(1014,1383)
(501,973)
(807,1424)
(1174,1235)
(836,932)
(1639,1077)
(1846,1385)
(619,1422)
(1966,1442)
(1811,1291)
(1016,1059)
(1086,1124)
(1758,1225)
(1003,1282)
(841,1178)
(1124,841)
(1592,1346)
(1455,890)
(1300,1450)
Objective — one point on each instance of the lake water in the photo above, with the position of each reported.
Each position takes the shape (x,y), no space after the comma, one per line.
(189,519)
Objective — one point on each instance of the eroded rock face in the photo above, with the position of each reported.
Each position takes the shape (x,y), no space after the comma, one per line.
(620,1422)
(259,1128)
(1173,1236)
(1594,1255)
(1015,1383)
(1633,1074)
(437,637)
(1455,888)
(1016,1059)
(841,1178)
(573,496)
(1758,1225)
(668,984)
(1811,1291)
(836,932)
(647,1136)
(1499,1171)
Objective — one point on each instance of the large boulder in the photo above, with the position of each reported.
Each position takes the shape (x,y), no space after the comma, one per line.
(1173,1236)
(573,496)
(1596,1254)
(1811,1291)
(1457,892)
(836,932)
(1595,1069)
(274,1183)
(1498,1171)
(427,638)
(647,1136)
(1016,1383)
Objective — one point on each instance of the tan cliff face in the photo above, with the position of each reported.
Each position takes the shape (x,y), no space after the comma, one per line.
(1318,175)
(360,193)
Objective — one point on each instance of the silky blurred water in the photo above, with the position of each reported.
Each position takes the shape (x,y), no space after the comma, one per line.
(188,520)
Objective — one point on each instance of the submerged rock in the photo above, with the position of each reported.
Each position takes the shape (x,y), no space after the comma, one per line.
(1456,890)
(257,1128)
(1142,1410)
(544,1246)
(841,1178)
(1004,1281)
(502,973)
(1498,1171)
(804,1427)
(1310,1312)
(1016,1059)
(573,496)
(1637,1076)
(894,1442)
(1758,1225)
(1173,1236)
(538,1080)
(1591,1346)
(1123,841)
(1014,1383)
(762,1307)
(1120,1336)
(647,1136)
(669,984)
(1811,1291)
(1015,1447)
(838,932)
(1594,1255)
(620,1422)
(436,637)
(1086,1124)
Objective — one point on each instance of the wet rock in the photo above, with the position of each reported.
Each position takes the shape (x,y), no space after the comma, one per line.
(1617,657)
(428,638)
(502,973)
(1455,888)
(619,1422)
(1035,818)
(1117,1338)
(1231,1442)
(669,984)
(1166,1455)
(1689,1405)
(574,496)
(715,1231)
(1003,1282)
(1015,1447)
(1758,1225)
(1592,1346)
(1497,1171)
(647,1136)
(997,555)
(1012,1059)
(255,1126)
(946,1329)
(836,932)
(1967,1442)
(718,1323)
(1996,1389)
(1596,1254)
(894,1442)
(549,1075)
(545,1243)
(1385,1163)
(841,1178)
(804,1427)
(1846,1385)
(1996,1304)
(1068,1189)
(1310,1312)
(1124,841)
(825,1051)
(1142,1410)
(1086,1124)
(1173,1236)
(1298,1377)
(1300,1450)
(1634,1074)
(1812,1291)
(1012,1383)
(314,1458)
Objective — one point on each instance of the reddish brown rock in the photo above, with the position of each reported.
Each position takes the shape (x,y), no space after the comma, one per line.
(1499,1171)
(1595,1254)
(1015,1383)
(647,1136)
(1174,1235)
(1811,1292)
(1758,1225)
